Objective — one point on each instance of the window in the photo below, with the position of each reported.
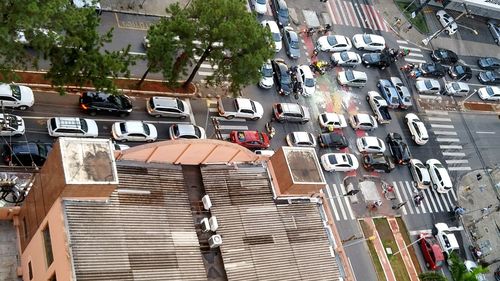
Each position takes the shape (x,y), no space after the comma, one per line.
(30,271)
(48,245)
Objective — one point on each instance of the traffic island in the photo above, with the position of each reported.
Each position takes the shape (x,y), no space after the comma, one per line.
(369,232)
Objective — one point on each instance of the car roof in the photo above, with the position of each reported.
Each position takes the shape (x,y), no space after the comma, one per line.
(68,122)
(134,127)
(165,101)
(301,136)
(359,74)
(186,129)
(273,26)
(291,107)
(371,140)
(251,135)
(364,117)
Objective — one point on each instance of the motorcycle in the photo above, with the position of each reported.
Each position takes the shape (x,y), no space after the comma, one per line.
(270,130)
(319,67)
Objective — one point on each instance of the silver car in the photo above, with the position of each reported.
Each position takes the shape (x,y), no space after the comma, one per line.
(167,107)
(427,86)
(186,131)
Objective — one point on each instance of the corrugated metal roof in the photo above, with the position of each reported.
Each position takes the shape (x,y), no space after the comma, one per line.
(263,241)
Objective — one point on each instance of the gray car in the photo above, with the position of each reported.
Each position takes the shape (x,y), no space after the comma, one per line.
(403,92)
(167,107)
(186,131)
(291,40)
(291,112)
(494,30)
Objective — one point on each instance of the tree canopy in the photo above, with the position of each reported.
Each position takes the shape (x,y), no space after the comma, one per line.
(460,273)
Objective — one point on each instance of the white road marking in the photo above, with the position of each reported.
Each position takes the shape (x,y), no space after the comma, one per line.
(488,133)
(137,53)
(459,168)
(439,119)
(368,17)
(213,109)
(330,196)
(450,147)
(205,73)
(445,203)
(429,96)
(430,197)
(340,203)
(442,126)
(399,196)
(453,194)
(408,201)
(427,199)
(232,120)
(402,42)
(421,205)
(347,203)
(447,140)
(438,201)
(225,136)
(418,232)
(458,161)
(115,120)
(447,133)
(415,60)
(375,16)
(411,48)
(453,154)
(235,128)
(416,55)
(435,112)
(356,6)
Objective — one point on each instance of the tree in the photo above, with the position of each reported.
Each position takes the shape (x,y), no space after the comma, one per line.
(460,273)
(229,38)
(432,276)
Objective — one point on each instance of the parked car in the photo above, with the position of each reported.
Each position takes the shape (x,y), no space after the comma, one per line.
(368,42)
(369,144)
(100,102)
(280,12)
(332,120)
(488,63)
(304,139)
(460,72)
(346,58)
(26,153)
(134,131)
(420,174)
(494,29)
(388,92)
(186,131)
(240,108)
(432,70)
(250,139)
(447,22)
(273,28)
(377,162)
(379,107)
(403,93)
(291,112)
(491,93)
(167,107)
(72,127)
(444,56)
(427,86)
(11,125)
(398,148)
(363,121)
(417,129)
(456,89)
(282,77)
(352,78)
(291,41)
(333,43)
(260,6)
(489,77)
(16,96)
(432,252)
(332,140)
(446,239)
(266,79)
(379,60)
(306,79)
(339,162)
(439,176)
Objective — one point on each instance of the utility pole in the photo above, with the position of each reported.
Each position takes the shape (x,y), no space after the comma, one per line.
(408,245)
(427,40)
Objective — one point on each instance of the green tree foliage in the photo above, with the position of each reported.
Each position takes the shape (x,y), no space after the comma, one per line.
(432,276)
(65,36)
(230,38)
(460,273)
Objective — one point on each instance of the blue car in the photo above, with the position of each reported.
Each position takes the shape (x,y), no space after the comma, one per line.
(292,45)
(280,12)
(388,92)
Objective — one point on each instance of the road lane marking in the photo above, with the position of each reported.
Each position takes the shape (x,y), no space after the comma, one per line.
(430,198)
(442,126)
(450,147)
(408,201)
(459,161)
(454,195)
(447,140)
(437,200)
(213,109)
(421,205)
(346,199)
(234,128)
(399,196)
(415,60)
(411,48)
(356,6)
(401,42)
(330,198)
(453,154)
(113,120)
(435,112)
(232,120)
(426,197)
(459,168)
(439,119)
(447,133)
(489,133)
(337,195)
(205,73)
(445,202)
(137,53)
(416,55)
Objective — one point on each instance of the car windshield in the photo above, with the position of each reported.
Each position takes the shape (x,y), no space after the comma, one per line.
(459,69)
(428,84)
(331,40)
(367,38)
(363,141)
(309,82)
(344,56)
(83,125)
(276,37)
(116,100)
(431,67)
(123,128)
(455,86)
(438,165)
(286,79)
(283,12)
(349,75)
(443,53)
(145,127)
(489,90)
(347,159)
(294,44)
(267,71)
(332,159)
(16,91)
(489,75)
(180,105)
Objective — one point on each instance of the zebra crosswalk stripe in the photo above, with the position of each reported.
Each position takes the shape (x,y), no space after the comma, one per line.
(453,195)
(408,200)
(368,17)
(429,197)
(341,12)
(356,6)
(347,203)
(337,195)
(332,203)
(398,195)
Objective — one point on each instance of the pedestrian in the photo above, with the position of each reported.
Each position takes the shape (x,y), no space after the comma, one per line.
(459,211)
(408,27)
(398,206)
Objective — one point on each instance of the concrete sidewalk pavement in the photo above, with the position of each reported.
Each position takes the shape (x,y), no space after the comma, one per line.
(379,248)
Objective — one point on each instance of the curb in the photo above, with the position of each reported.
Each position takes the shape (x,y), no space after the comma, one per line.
(111,10)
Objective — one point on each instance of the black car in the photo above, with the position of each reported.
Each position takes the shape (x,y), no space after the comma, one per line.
(489,77)
(26,153)
(488,63)
(377,161)
(280,12)
(399,149)
(333,140)
(432,70)
(94,102)
(460,72)
(444,56)
(379,60)
(282,77)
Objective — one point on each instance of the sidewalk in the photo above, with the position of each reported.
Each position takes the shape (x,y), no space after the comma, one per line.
(402,247)
(379,247)
(141,7)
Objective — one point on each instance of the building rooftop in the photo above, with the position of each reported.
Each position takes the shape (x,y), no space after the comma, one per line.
(303,164)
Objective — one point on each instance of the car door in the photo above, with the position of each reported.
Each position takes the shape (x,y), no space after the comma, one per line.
(136,137)
(8,101)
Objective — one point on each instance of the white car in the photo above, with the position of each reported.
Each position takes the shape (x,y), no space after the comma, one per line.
(417,129)
(260,6)
(346,58)
(489,93)
(134,131)
(368,42)
(339,162)
(186,131)
(352,78)
(11,125)
(306,79)
(456,88)
(403,92)
(272,26)
(72,127)
(370,145)
(328,119)
(333,43)
(420,174)
(266,80)
(304,139)
(427,86)
(439,176)
(445,20)
(16,96)
(363,121)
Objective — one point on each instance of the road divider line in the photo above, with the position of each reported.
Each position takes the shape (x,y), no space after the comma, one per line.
(488,133)
(439,119)
(442,126)
(447,140)
(459,168)
(346,199)
(458,161)
(446,133)
(454,154)
(450,147)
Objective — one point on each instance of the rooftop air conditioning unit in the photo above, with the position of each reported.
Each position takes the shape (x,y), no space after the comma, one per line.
(205,226)
(214,225)
(207,203)
(215,241)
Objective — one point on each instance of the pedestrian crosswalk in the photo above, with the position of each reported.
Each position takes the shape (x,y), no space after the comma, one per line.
(433,202)
(355,14)
(415,55)
(225,126)
(449,143)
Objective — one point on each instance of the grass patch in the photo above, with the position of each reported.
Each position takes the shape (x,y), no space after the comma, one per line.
(419,21)
(373,253)
(397,264)
(411,250)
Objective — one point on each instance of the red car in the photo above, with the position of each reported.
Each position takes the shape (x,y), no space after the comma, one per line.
(250,139)
(433,255)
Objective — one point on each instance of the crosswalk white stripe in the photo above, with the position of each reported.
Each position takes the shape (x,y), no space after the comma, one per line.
(332,203)
(450,147)
(347,203)
(426,199)
(449,199)
(398,195)
(356,6)
(231,120)
(356,18)
(458,161)
(453,154)
(349,15)
(442,126)
(439,119)
(430,196)
(435,112)
(436,196)
(213,109)
(340,203)
(447,140)
(459,168)
(446,133)
(415,60)
(339,14)
(205,73)
(445,203)
(408,203)
(415,55)
(453,194)
(231,127)
(207,65)
(411,49)
(376,17)
(401,42)
(368,17)
(409,188)
(225,136)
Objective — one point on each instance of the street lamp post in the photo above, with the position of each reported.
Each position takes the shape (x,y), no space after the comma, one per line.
(427,40)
